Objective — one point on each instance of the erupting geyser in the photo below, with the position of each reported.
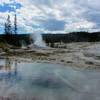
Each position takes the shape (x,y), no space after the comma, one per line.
(37,38)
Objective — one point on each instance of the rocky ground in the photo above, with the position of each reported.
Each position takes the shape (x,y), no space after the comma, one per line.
(83,55)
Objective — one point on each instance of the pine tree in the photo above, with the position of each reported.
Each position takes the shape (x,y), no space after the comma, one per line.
(15,24)
(8,28)
(5,28)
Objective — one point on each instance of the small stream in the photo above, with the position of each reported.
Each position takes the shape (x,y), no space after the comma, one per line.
(42,81)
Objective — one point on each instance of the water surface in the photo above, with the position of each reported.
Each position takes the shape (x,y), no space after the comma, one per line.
(41,81)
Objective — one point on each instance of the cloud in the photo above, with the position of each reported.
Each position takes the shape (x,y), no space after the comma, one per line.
(80,26)
(53,15)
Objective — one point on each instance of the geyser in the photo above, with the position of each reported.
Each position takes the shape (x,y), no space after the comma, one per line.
(37,38)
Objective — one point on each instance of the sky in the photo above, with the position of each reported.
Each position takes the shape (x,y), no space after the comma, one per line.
(51,16)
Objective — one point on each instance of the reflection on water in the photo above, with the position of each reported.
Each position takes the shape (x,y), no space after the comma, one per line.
(40,81)
(8,68)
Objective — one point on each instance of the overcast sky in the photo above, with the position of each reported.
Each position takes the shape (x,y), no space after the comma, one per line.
(52,15)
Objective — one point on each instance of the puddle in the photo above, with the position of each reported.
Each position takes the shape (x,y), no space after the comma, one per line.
(40,81)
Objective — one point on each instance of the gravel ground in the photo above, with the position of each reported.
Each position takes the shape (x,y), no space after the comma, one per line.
(83,55)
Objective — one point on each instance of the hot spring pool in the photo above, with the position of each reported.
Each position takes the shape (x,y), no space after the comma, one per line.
(41,81)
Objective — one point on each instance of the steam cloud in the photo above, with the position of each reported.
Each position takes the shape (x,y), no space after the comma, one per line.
(38,41)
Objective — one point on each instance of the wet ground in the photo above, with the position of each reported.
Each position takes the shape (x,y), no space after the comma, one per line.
(41,81)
